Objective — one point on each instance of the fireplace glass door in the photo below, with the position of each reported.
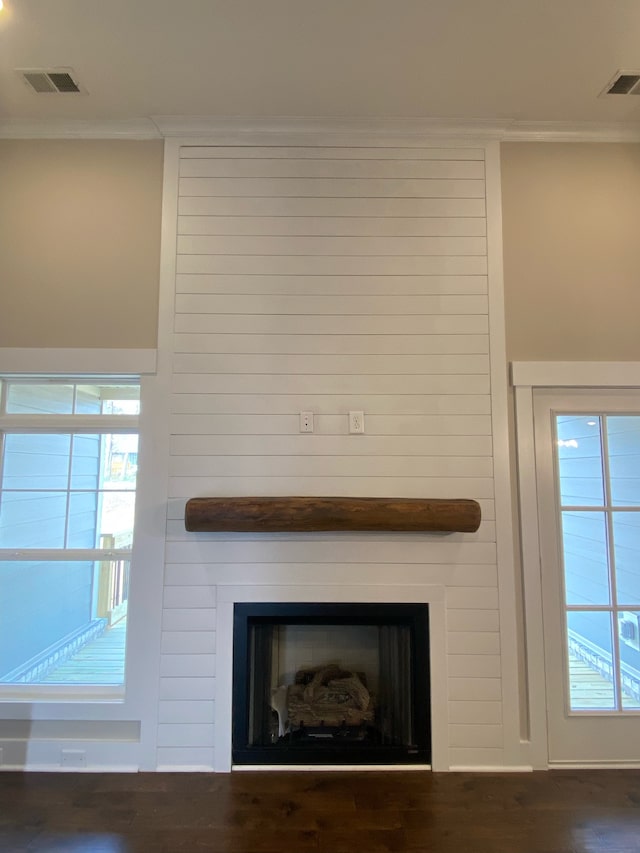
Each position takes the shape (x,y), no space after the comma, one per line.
(331,683)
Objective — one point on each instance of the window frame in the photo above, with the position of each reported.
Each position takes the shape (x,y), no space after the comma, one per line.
(528,379)
(94,424)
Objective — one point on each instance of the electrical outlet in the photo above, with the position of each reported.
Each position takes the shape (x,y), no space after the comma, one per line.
(306,421)
(356,422)
(73,758)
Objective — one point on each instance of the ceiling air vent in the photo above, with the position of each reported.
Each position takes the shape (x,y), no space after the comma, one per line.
(623,83)
(48,81)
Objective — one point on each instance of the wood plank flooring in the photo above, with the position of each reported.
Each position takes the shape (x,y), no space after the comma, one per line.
(337,812)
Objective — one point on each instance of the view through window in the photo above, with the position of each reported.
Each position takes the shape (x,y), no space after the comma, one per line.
(68,466)
(598,479)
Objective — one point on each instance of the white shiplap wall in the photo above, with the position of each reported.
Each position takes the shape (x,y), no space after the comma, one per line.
(327,280)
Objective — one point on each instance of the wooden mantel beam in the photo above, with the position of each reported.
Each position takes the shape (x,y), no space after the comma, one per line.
(308,514)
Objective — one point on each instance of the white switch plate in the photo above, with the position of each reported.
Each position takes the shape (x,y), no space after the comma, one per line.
(306,421)
(356,422)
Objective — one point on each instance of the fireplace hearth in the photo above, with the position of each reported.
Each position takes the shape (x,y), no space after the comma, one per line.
(331,684)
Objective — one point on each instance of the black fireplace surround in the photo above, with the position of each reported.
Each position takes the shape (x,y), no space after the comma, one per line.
(335,711)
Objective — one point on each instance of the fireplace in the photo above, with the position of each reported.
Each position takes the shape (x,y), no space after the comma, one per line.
(332,683)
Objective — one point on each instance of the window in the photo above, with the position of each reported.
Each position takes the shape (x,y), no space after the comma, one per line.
(68,466)
(598,466)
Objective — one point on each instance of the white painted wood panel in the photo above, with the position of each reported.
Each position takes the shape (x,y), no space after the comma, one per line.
(328,305)
(327,466)
(187,642)
(339,168)
(186,712)
(475,736)
(183,758)
(474,665)
(331,265)
(302,549)
(475,689)
(378,285)
(372,486)
(330,280)
(333,245)
(470,758)
(378,404)
(460,324)
(472,620)
(222,383)
(187,689)
(412,150)
(371,574)
(347,207)
(203,597)
(188,666)
(474,642)
(185,734)
(233,444)
(189,619)
(328,226)
(475,713)
(332,187)
(318,364)
(473,598)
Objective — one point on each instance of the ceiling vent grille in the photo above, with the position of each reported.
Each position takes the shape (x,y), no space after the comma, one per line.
(51,81)
(623,83)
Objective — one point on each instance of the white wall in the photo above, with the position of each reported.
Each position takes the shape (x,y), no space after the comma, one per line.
(329,280)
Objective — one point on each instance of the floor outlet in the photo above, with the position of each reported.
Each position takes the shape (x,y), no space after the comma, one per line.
(73,758)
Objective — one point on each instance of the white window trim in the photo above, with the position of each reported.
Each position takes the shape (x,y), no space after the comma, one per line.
(526,378)
(145,594)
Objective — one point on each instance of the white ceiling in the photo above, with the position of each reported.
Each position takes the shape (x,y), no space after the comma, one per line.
(500,60)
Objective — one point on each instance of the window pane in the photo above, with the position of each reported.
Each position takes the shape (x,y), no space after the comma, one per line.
(85,464)
(626,547)
(108,399)
(32,519)
(629,635)
(88,401)
(83,513)
(579,460)
(32,399)
(591,679)
(586,569)
(624,459)
(38,461)
(51,629)
(116,519)
(120,461)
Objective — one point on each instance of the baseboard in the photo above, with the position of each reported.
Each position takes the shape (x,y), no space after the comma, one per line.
(594,765)
(491,768)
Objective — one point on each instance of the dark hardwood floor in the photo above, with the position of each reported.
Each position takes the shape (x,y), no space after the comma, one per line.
(337,812)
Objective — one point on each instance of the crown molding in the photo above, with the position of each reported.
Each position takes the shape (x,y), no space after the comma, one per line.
(316,127)
(558,131)
(229,130)
(138,128)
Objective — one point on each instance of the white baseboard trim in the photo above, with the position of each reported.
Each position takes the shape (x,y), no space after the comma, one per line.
(594,765)
(491,768)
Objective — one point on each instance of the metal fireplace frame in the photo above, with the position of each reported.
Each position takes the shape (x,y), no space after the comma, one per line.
(413,616)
